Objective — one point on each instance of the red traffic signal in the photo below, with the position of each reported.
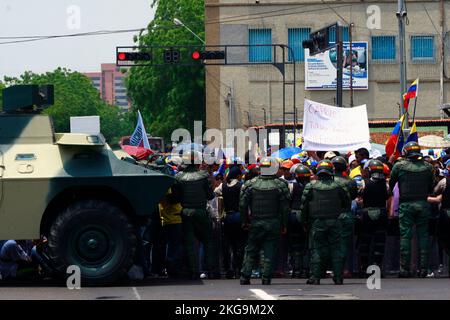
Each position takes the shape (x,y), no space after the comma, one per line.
(208,55)
(134,56)
(196,55)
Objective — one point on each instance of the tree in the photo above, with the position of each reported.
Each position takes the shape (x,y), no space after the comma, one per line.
(2,86)
(75,96)
(172,97)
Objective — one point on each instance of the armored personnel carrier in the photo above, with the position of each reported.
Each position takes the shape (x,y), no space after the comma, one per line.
(71,189)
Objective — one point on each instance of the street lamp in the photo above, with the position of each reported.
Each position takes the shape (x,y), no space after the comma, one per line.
(177,22)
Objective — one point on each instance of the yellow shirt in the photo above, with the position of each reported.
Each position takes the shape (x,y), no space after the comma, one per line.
(355,172)
(170,213)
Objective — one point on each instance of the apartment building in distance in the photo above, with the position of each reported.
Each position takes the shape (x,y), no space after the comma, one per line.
(110,83)
(256,90)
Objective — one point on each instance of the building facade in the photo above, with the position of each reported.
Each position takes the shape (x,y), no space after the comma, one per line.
(110,83)
(252,95)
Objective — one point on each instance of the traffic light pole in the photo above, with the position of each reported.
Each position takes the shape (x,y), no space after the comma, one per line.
(339,67)
(401,16)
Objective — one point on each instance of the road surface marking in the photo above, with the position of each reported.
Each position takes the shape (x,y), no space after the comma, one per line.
(136,293)
(262,294)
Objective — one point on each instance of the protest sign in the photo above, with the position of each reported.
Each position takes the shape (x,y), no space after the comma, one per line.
(332,128)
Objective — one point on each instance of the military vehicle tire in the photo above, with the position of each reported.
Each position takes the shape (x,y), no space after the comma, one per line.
(97,237)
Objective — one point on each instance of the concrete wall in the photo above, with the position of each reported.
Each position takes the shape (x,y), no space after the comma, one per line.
(258,87)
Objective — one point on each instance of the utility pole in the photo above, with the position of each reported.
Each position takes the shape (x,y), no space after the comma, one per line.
(340,58)
(441,96)
(350,34)
(401,16)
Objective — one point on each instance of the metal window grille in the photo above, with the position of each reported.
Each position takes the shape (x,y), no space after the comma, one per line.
(383,48)
(260,37)
(345,34)
(295,39)
(422,48)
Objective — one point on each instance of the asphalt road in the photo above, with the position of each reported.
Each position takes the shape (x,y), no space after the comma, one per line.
(281,289)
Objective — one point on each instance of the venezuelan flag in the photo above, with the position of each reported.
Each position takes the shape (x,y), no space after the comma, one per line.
(413,134)
(395,141)
(411,93)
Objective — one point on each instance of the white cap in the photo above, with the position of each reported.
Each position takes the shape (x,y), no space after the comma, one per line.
(351,158)
(329,155)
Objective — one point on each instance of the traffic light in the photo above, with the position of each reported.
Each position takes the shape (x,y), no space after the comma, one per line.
(133,56)
(171,56)
(208,55)
(319,41)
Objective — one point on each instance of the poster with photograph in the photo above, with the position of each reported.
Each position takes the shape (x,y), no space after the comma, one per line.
(320,70)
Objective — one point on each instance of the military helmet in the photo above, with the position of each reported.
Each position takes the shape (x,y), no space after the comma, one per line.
(339,163)
(376,169)
(266,162)
(411,149)
(269,166)
(302,171)
(326,167)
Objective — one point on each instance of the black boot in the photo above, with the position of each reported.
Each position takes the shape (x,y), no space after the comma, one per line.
(266,281)
(338,281)
(244,281)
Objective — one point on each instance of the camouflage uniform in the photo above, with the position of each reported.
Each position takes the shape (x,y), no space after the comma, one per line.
(194,190)
(267,197)
(321,205)
(347,219)
(415,180)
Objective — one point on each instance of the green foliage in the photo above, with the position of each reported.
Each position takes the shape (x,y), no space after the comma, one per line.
(2,86)
(170,97)
(75,96)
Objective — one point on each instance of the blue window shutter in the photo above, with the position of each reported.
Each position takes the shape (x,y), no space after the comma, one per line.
(345,34)
(260,53)
(383,48)
(422,47)
(295,39)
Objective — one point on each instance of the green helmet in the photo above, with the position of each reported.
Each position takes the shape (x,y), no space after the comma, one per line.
(266,162)
(339,163)
(269,166)
(411,149)
(326,167)
(376,169)
(302,171)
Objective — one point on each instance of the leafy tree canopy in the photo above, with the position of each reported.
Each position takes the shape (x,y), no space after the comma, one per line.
(170,97)
(76,96)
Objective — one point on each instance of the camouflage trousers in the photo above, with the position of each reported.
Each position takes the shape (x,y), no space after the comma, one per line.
(326,245)
(197,226)
(413,213)
(264,235)
(347,223)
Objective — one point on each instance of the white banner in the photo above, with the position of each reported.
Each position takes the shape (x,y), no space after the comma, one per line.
(327,128)
(320,70)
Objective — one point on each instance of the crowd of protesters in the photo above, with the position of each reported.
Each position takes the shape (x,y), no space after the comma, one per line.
(372,237)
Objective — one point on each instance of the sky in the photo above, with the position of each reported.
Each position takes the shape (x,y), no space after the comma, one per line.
(56,17)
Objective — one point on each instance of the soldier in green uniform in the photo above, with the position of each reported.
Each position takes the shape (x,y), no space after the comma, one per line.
(298,238)
(267,197)
(415,181)
(194,189)
(321,205)
(347,219)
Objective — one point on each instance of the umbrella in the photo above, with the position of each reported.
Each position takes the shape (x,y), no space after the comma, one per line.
(286,153)
(139,153)
(434,142)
